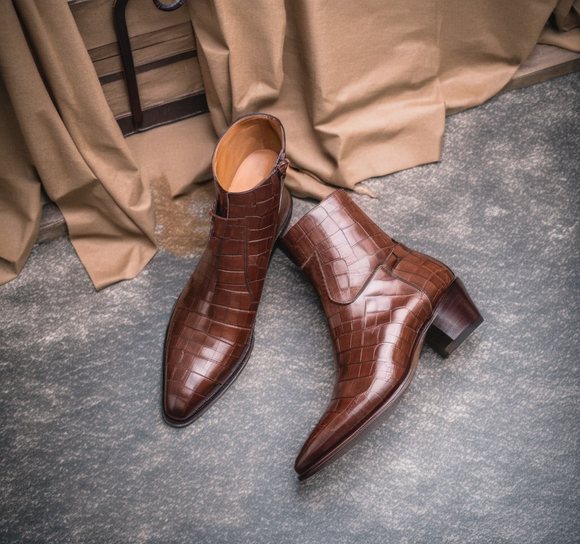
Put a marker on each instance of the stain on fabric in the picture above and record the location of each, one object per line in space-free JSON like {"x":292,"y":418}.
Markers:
{"x":182,"y":223}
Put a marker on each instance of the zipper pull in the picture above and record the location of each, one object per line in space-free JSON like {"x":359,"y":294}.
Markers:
{"x":283,"y":166}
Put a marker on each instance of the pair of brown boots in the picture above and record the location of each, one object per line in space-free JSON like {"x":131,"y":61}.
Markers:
{"x":382,"y":300}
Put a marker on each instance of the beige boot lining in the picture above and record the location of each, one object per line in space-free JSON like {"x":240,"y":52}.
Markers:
{"x":247,"y":154}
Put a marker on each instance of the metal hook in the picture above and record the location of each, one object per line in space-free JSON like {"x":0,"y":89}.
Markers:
{"x":176,"y":4}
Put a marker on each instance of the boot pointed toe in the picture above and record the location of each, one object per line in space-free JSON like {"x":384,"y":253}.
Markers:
{"x":184,"y":394}
{"x":321,"y":442}
{"x":178,"y":411}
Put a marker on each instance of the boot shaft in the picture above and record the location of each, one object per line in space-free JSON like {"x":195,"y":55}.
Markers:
{"x":249,"y":165}
{"x":340,"y":248}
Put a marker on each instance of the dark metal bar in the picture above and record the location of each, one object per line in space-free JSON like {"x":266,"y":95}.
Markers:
{"x":169,"y":7}
{"x":163,"y":114}
{"x":127,"y":58}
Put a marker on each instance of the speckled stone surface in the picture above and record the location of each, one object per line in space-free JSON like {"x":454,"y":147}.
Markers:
{"x":484,"y":447}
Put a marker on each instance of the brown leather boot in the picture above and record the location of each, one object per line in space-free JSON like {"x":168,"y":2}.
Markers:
{"x":211,"y":332}
{"x":382,"y":301}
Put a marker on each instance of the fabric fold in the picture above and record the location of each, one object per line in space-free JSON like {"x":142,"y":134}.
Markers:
{"x":74,"y":146}
{"x":365,"y":87}
{"x":362,"y":89}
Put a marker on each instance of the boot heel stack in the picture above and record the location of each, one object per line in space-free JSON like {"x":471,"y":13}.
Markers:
{"x":456,"y":317}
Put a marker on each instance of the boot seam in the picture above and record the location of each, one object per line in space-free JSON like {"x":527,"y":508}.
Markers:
{"x":421,"y":291}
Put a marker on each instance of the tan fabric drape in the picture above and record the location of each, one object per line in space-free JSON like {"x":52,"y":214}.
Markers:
{"x":56,"y":130}
{"x":564,"y":28}
{"x":361,"y":87}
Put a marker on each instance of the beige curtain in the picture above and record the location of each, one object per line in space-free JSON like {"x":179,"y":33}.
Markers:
{"x":57,"y":131}
{"x":361,"y":87}
{"x":563,"y":29}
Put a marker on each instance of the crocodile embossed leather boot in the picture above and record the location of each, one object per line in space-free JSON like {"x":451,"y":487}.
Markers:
{"x":382,"y":301}
{"x":211,"y":331}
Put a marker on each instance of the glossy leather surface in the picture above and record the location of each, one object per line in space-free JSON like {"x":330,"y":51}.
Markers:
{"x":210,"y":332}
{"x":377,"y":296}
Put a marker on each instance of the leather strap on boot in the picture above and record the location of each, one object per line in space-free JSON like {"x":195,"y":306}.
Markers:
{"x":345,"y":244}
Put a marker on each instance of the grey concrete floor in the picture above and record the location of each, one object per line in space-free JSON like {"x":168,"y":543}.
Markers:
{"x":484,"y":446}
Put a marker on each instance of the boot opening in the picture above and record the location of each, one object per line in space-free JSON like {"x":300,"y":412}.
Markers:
{"x":247,"y":153}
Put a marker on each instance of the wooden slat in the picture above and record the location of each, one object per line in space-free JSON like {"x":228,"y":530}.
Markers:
{"x":52,"y":225}
{"x":159,"y":63}
{"x":545,"y":62}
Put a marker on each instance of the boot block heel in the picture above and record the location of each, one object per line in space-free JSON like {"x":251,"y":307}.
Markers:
{"x":456,"y":317}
